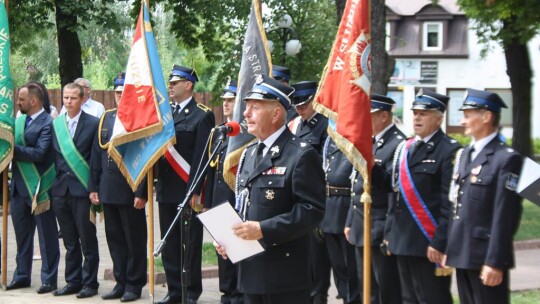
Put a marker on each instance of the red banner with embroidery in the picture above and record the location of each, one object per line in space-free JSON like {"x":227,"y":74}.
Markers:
{"x":420,"y":212}
{"x":344,"y":90}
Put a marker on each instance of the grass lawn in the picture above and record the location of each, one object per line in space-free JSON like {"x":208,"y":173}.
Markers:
{"x":209,"y":257}
{"x":530,"y":225}
{"x":521,"y":297}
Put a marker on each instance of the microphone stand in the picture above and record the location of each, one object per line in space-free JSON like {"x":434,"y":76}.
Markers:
{"x":186,"y":223}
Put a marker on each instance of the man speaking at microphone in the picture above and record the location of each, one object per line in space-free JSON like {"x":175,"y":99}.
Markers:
{"x":192,"y":122}
{"x":281,"y":196}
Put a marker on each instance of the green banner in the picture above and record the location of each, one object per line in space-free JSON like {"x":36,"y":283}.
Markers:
{"x":6,"y":93}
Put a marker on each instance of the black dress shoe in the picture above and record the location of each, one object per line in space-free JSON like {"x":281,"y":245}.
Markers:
{"x":46,"y":288}
{"x":191,"y":301}
{"x":17,"y":285}
{"x":69,"y":289}
{"x":114,"y":294}
{"x":130,"y":297}
{"x":170,"y":300}
{"x":86,"y":292}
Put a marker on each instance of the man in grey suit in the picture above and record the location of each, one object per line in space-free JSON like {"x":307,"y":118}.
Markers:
{"x":33,"y":169}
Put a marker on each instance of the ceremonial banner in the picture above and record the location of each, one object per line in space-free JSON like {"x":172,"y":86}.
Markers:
{"x":344,"y":90}
{"x":6,"y":93}
{"x":255,"y":60}
{"x":143,"y":127}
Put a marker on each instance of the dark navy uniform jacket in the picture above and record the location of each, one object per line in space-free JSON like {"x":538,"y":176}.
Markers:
{"x":66,"y":181}
{"x":217,"y":190}
{"x":338,"y":174}
{"x":488,"y":209}
{"x":192,"y":124}
{"x":383,"y":152}
{"x":431,"y":171}
{"x":106,"y":178}
{"x":314,"y":132}
{"x":286,"y":195}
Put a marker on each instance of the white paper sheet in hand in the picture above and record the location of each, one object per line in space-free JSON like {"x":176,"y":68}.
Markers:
{"x":219,"y":221}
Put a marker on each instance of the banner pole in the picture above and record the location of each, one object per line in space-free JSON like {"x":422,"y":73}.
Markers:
{"x":5,"y":208}
{"x":367,"y":253}
{"x":150,"y":206}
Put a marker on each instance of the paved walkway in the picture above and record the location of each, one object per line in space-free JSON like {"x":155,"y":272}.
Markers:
{"x":525,"y":276}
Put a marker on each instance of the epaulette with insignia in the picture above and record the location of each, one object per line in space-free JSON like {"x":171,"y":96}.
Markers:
{"x":300,"y":143}
{"x":203,"y":107}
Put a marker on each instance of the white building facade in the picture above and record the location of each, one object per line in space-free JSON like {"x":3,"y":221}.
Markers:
{"x":435,"y":47}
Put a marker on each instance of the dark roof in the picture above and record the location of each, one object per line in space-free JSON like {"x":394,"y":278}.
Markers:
{"x":407,"y":36}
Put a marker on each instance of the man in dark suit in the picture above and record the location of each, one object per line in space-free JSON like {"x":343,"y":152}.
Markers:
{"x":386,"y":138}
{"x":311,"y":126}
{"x":282,"y":186}
{"x":487,"y":208}
{"x":217,"y":192}
{"x":418,"y":218}
{"x":33,"y":140}
{"x":125,"y":217}
{"x":192,"y":122}
{"x":73,"y":136}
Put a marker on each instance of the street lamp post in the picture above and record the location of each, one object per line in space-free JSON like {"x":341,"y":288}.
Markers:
{"x":287,"y":35}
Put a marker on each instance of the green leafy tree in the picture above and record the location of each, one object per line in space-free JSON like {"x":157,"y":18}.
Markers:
{"x":382,"y":65}
{"x":511,"y":23}
{"x":31,"y":18}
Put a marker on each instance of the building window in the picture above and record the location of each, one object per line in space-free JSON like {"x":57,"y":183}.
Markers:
{"x":432,"y":36}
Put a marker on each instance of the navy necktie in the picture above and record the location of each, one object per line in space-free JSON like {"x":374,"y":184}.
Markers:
{"x":28,"y":120}
{"x":260,"y":155}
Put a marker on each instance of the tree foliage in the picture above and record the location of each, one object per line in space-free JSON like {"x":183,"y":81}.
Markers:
{"x":503,"y":21}
{"x":217,"y":27}
{"x":512,"y":23}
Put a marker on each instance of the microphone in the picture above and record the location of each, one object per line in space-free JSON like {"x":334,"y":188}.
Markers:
{"x":231,"y":128}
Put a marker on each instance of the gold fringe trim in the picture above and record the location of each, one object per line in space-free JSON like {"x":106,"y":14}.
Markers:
{"x":93,"y":216}
{"x":6,"y":134}
{"x":118,"y":159}
{"x":40,"y":208}
{"x":100,"y":126}
{"x":443,"y":272}
{"x":354,"y":156}
{"x":139,"y":134}
{"x":231,"y":161}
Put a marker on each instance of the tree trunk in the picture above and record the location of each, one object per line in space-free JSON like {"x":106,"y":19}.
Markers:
{"x":382,"y":65}
{"x":340,"y":7}
{"x":518,"y":68}
{"x":69,"y":47}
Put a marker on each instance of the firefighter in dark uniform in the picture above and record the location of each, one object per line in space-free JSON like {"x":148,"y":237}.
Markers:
{"x":311,"y":127}
{"x":418,"y":218}
{"x":338,"y":199}
{"x":125,"y":217}
{"x":283,"y":75}
{"x":217,"y":192}
{"x":280,"y":194}
{"x":487,"y":209}
{"x":192,"y":122}
{"x":384,"y":268}
{"x":308,"y":125}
